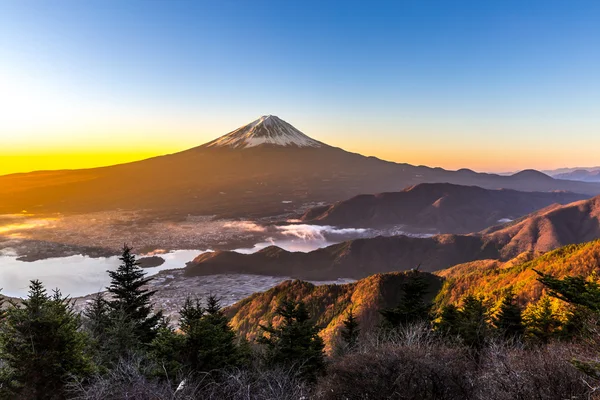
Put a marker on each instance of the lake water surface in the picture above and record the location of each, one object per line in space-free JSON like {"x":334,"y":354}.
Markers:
{"x":81,"y":275}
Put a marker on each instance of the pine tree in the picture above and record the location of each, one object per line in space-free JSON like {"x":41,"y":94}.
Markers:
{"x":130,"y":298}
{"x":206,"y":343}
{"x":583,"y":294}
{"x":412,"y":306}
{"x":448,"y":323}
{"x":541,"y":322}
{"x":295,"y":342}
{"x":42,"y":346}
{"x":97,"y":317}
{"x":168,"y":350}
{"x":473,"y":325}
{"x":574,"y":290}
{"x":210,"y":341}
{"x":509,"y":320}
{"x":350,"y":331}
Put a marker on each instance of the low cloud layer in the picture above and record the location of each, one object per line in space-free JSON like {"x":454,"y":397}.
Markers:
{"x":317,"y":232}
{"x":247,"y":226}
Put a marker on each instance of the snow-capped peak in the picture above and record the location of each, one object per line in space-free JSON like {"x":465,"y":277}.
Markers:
{"x":269,"y":130}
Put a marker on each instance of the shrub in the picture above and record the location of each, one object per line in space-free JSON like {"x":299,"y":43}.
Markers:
{"x":539,"y":373}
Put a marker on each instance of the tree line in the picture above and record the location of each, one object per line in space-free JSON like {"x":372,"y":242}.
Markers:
{"x":46,"y":346}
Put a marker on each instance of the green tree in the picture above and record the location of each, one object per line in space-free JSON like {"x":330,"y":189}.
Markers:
{"x":413,"y":306}
{"x":97,"y":317}
{"x":206,"y":342}
{"x":41,"y":346}
{"x":350,"y":331}
{"x":474,"y":318}
{"x":576,"y":290}
{"x":131,"y":298}
{"x":210,"y":341}
{"x":583,"y":295}
{"x":541,"y":322}
{"x":295,"y":341}
{"x":448,"y":322}
{"x":509,"y":319}
{"x":167,"y":350}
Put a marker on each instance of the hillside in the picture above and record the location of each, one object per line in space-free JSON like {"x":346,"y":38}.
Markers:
{"x":437,"y":207}
{"x":250,"y":171}
{"x":539,"y":232}
{"x":491,"y":278}
{"x":547,"y":229}
{"x":329,"y":304}
{"x":352,"y":259}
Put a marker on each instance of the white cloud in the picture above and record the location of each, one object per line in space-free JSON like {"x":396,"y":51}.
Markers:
{"x":248,"y":226}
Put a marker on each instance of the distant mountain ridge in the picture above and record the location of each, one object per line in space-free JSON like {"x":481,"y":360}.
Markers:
{"x":581,"y":175}
{"x":437,"y":207}
{"x":255,"y":170}
{"x":539,"y":232}
{"x":554,"y":172}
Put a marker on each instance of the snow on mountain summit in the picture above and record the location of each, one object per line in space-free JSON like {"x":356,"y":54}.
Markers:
{"x":269,"y":130}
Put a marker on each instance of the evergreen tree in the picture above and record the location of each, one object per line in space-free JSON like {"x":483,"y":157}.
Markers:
{"x":473,"y":325}
{"x":120,"y":339}
{"x":41,"y":346}
{"x":575,"y":290}
{"x":583,"y":294}
{"x":167,"y":350}
{"x":97,"y":317}
{"x":541,"y":323}
{"x":448,"y":323}
{"x":575,"y":322}
{"x":350,"y":331}
{"x":295,"y":342}
{"x":210,"y":341}
{"x":509,"y":320}
{"x":130,"y":298}
{"x":206,"y":343}
{"x":412,"y":306}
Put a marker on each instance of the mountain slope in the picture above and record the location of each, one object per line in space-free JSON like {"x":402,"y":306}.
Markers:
{"x":250,"y":171}
{"x":491,"y":278}
{"x":327,"y":304}
{"x":438,"y":207}
{"x":539,"y":232}
{"x":353,"y":259}
{"x":547,"y":229}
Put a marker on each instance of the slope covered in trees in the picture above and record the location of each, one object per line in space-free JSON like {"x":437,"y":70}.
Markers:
{"x":329,"y":304}
{"x":491,"y":278}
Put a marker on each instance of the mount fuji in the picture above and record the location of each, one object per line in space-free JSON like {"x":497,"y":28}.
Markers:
{"x":266,"y":167}
{"x":267,"y":130}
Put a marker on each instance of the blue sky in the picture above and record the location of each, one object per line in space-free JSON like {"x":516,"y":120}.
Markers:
{"x":489,"y":85}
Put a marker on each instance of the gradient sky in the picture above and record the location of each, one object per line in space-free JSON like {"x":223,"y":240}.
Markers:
{"x":489,"y":85}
